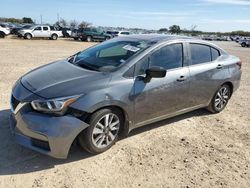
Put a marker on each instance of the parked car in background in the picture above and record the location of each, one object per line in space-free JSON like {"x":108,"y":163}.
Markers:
{"x":15,"y":30}
{"x":66,"y":32}
{"x":245,"y":42}
{"x":90,"y":34}
{"x":112,"y":33}
{"x":109,"y":89}
{"x":4,"y":30}
{"x":118,"y":33}
{"x":123,"y":33}
{"x":40,"y":31}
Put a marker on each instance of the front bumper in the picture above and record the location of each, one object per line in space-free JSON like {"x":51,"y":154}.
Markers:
{"x":50,"y":135}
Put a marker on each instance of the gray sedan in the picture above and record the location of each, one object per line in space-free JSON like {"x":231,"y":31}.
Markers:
{"x":105,"y":91}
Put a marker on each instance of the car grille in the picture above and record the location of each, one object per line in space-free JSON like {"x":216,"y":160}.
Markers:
{"x":14,"y":102}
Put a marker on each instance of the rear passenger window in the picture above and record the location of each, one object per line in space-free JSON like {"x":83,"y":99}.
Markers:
{"x":200,"y":53}
{"x":45,"y":28}
{"x":215,"y":54}
{"x":52,"y":28}
{"x":168,"y":57}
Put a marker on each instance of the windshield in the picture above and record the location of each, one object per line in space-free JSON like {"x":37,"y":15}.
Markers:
{"x":28,"y":27}
{"x":108,"y":56}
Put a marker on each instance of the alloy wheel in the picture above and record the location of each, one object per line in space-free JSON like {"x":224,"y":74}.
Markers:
{"x":221,"y":98}
{"x":105,"y":130}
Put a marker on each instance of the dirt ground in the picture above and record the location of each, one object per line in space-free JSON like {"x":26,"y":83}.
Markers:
{"x":192,"y":150}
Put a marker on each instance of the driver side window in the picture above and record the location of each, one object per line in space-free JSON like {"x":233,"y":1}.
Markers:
{"x":38,"y":29}
{"x":168,"y":57}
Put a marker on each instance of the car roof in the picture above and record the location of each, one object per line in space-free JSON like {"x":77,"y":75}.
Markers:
{"x":157,"y":37}
{"x":161,"y":38}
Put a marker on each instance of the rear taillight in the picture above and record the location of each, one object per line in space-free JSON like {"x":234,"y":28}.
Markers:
{"x":239,"y":64}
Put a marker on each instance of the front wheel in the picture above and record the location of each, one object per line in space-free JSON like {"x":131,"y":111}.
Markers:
{"x":2,"y":34}
{"x":103,"y":131}
{"x":220,"y":99}
{"x":27,"y":36}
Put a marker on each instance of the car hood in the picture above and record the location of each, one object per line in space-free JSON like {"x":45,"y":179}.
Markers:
{"x":62,"y":79}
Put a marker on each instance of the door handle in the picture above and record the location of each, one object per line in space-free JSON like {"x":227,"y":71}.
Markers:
{"x":220,"y":66}
{"x":181,"y":79}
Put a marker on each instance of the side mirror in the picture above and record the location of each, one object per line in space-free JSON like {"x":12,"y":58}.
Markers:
{"x":155,"y":72}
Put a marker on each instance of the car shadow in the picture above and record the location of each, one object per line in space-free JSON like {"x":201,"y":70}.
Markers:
{"x":15,"y":159}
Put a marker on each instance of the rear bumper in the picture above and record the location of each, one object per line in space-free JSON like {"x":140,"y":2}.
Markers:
{"x":236,"y":80}
{"x":46,"y":134}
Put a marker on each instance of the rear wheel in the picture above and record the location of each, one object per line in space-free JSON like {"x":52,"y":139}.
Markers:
{"x":54,"y":37}
{"x":220,"y":99}
{"x":107,"y":38}
{"x":243,"y":44}
{"x":2,"y":34}
{"x":75,"y":38}
{"x":103,"y":131}
{"x":89,"y":39}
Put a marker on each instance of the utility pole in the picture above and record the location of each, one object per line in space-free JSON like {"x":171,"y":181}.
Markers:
{"x":41,"y":19}
{"x":58,"y":17}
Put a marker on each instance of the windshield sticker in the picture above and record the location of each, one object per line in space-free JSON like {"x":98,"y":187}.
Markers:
{"x":131,"y":48}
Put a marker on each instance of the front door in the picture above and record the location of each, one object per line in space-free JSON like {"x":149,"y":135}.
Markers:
{"x":37,"y":32}
{"x":161,"y":96}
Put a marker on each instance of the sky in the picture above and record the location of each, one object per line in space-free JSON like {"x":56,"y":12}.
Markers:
{"x":207,"y":15}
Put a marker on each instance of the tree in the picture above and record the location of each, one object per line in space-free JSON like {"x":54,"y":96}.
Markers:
{"x":84,"y":24}
{"x":73,"y":24}
{"x":163,"y":30}
{"x":63,"y":22}
{"x":27,"y":20}
{"x":175,"y":29}
{"x":193,"y":27}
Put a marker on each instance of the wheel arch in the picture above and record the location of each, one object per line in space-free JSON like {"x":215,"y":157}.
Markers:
{"x":231,"y":86}
{"x":29,"y":34}
{"x":54,"y":34}
{"x":125,"y":126}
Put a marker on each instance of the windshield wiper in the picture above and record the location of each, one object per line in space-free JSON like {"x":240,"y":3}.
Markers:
{"x":87,"y":66}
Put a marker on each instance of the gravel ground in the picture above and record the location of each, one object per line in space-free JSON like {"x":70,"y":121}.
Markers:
{"x":196,"y":149}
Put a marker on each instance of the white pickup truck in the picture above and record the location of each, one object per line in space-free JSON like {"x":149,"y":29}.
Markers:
{"x":4,"y":30}
{"x":40,"y":31}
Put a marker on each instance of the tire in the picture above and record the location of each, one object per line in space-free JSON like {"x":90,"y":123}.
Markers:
{"x":75,"y":38}
{"x":2,"y":34}
{"x":54,"y":36}
{"x":243,"y":44}
{"x":107,"y":38}
{"x":99,"y":136}
{"x":27,"y":36}
{"x":89,"y":39}
{"x":220,"y":99}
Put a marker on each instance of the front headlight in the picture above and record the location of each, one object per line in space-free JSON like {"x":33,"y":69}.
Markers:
{"x":58,"y":105}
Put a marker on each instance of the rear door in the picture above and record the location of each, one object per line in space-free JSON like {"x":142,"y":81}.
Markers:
{"x":46,"y":31}
{"x":207,"y":73}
